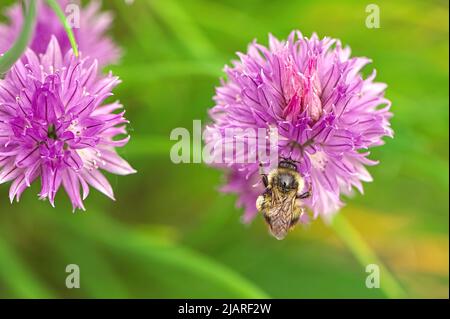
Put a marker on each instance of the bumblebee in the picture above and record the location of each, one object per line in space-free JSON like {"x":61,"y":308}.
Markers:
{"x":280,"y":204}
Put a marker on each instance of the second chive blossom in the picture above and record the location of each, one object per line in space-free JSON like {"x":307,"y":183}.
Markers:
{"x":55,"y":126}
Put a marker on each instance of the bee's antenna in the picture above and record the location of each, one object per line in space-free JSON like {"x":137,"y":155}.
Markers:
{"x":292,"y":145}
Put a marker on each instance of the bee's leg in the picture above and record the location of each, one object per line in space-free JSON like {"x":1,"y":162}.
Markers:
{"x":294,"y":221}
{"x":260,"y":203}
{"x":267,"y":219}
{"x":306,"y":194}
{"x":264,"y":177}
{"x":295,"y":216}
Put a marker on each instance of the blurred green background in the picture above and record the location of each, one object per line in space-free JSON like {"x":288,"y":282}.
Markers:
{"x":171,"y":234}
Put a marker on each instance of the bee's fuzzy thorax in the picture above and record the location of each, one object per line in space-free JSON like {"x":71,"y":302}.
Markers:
{"x":273,"y":175}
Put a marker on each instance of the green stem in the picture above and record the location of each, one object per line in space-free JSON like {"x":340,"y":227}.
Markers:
{"x":60,"y":14}
{"x":365,"y":255}
{"x":16,"y":51}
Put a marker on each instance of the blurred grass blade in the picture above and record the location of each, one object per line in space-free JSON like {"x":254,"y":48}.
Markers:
{"x":125,"y":241}
{"x":157,"y":71}
{"x":16,"y":51}
{"x":182,"y":26}
{"x":219,"y":17}
{"x":149,"y":145}
{"x":20,"y":280}
{"x":91,"y":259}
{"x":365,"y":255}
{"x":60,"y":14}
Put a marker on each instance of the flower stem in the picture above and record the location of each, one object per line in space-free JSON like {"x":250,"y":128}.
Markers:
{"x":16,"y":51}
{"x":60,"y":14}
{"x":365,"y":255}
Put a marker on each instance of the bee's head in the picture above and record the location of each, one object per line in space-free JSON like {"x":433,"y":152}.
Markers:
{"x":286,"y":182}
{"x":287,"y":163}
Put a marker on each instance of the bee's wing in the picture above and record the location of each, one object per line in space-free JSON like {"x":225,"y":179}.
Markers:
{"x":282,"y":205}
{"x":281,"y":214}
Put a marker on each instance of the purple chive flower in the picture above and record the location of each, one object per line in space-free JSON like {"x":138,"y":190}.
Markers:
{"x":53,"y":126}
{"x":90,"y":36}
{"x":326,"y":114}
